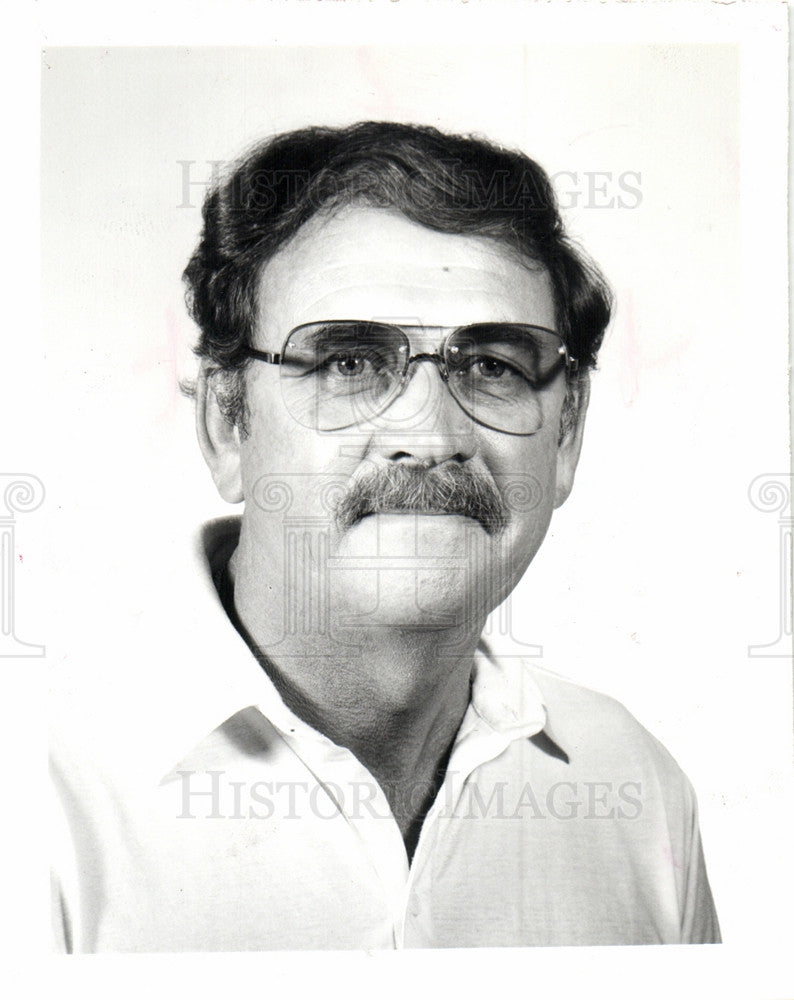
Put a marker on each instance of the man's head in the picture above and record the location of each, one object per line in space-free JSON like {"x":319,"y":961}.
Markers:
{"x":447,"y":183}
{"x":426,"y":233}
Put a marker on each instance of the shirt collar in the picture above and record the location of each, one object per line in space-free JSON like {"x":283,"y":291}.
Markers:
{"x":186,"y":670}
{"x":193,"y":672}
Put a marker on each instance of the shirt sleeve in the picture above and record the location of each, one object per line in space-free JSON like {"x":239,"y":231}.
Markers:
{"x":699,"y":923}
{"x":60,"y":924}
{"x":62,"y":874}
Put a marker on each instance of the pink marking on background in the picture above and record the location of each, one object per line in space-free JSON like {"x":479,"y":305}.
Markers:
{"x":379,"y":97}
{"x":172,"y":326}
{"x":172,"y":340}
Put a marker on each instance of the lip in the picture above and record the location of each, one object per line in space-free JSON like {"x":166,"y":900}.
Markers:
{"x":430,"y":512}
{"x":409,"y":512}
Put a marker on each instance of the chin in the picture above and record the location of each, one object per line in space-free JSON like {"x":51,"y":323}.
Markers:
{"x":401,"y":599}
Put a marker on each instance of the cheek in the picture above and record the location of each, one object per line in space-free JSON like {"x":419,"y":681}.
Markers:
{"x":527,"y":481}
{"x":290,"y":470}
{"x":525,"y":470}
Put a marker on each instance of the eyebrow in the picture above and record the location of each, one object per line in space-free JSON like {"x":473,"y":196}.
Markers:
{"x":326,"y":331}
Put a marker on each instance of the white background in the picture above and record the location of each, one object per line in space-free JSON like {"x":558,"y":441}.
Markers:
{"x":658,"y":572}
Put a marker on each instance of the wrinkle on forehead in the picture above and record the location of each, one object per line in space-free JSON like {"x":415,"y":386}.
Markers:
{"x":364,"y":263}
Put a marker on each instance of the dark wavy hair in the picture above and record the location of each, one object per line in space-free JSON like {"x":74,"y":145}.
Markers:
{"x":449,"y":183}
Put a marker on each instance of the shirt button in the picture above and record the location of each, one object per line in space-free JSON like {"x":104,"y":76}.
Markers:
{"x":415,"y":907}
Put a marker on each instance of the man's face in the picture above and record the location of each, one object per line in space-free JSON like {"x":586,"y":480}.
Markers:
{"x":412,"y":568}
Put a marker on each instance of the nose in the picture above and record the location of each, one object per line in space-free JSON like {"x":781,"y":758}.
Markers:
{"x":424,"y":423}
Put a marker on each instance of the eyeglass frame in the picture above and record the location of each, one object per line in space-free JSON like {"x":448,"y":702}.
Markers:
{"x":571,"y":364}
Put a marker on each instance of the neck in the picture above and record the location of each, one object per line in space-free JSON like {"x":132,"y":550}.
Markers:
{"x":393,"y":695}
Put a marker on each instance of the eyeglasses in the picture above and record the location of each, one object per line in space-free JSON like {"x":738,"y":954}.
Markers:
{"x":340,"y":373}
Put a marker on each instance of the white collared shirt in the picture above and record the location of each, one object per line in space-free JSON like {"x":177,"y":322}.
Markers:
{"x":196,"y":812}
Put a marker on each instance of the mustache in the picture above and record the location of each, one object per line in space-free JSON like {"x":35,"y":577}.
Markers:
{"x":445,"y":489}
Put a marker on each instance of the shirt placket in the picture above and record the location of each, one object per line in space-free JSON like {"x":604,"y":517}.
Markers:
{"x":477,"y":743}
{"x":364,"y":806}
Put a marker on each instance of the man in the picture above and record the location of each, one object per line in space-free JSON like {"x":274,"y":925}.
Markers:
{"x":309,"y":746}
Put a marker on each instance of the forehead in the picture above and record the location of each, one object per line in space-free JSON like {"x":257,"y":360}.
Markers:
{"x":370,"y":263}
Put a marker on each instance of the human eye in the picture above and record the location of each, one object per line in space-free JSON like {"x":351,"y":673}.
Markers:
{"x":347,"y":364}
{"x":353,"y":371}
{"x":343,"y":358}
{"x":340,"y":349}
{"x":333,"y":350}
{"x":487,"y":368}
{"x":502,"y":352}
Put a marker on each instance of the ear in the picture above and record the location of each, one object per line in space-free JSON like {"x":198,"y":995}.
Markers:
{"x":219,"y":440}
{"x":571,"y":437}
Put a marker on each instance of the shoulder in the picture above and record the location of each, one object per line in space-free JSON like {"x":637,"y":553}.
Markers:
{"x":599,"y":734}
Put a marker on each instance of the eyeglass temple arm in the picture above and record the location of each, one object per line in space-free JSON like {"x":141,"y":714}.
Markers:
{"x":268,"y":356}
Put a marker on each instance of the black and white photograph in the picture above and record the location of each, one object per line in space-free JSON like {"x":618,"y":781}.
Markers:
{"x":399,"y":556}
